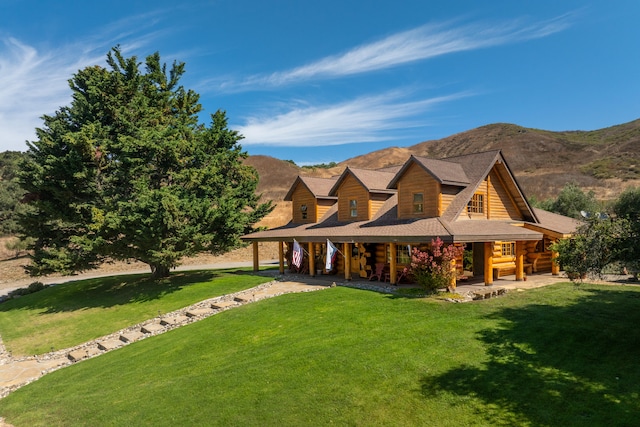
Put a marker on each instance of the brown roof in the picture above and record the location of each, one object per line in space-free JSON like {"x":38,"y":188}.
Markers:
{"x":373,"y":180}
{"x":444,"y":171}
{"x":319,"y":187}
{"x":387,"y":227}
{"x":560,"y":225}
{"x":477,"y":166}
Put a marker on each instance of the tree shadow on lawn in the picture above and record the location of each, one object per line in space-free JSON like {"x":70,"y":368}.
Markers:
{"x":575,"y":364}
{"x":106,"y":292}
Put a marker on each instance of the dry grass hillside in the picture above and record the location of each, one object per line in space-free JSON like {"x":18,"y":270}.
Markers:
{"x":605,"y":161}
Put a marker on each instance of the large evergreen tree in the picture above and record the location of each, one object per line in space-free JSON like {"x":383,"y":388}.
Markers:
{"x":127,"y":172}
{"x":10,"y":192}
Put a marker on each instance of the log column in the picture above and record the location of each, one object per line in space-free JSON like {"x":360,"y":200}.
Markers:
{"x":454,"y":273}
{"x":488,"y":263}
{"x":256,"y":259}
{"x":555,"y":267}
{"x":520,"y":251}
{"x":281,"y":256}
{"x":346,"y":248}
{"x":393,"y":274}
{"x":312,"y":260}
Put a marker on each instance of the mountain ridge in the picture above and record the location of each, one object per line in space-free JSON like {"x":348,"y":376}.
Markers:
{"x":604,"y":160}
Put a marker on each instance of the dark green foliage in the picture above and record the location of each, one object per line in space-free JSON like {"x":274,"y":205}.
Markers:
{"x":595,"y":245}
{"x":321,"y":166}
{"x":571,"y":201}
{"x":627,"y":207}
{"x":127,"y":172}
{"x":31,"y":289}
{"x":604,"y":241}
{"x":623,"y":167}
{"x":10,"y":192}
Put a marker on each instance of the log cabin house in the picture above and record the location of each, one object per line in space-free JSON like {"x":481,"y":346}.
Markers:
{"x":376,"y":216}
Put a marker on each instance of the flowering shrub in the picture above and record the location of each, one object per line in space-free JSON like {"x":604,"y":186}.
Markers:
{"x":432,"y":268}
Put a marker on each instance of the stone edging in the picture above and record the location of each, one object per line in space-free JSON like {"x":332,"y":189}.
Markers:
{"x":63,"y":355}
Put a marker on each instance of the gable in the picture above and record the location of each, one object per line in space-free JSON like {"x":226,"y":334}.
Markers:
{"x":502,"y":204}
{"x":303,"y":205}
{"x":492,"y":200}
{"x":415,"y":180}
{"x":350,"y":189}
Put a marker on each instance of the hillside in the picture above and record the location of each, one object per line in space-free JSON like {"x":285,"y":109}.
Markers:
{"x":605,"y":160}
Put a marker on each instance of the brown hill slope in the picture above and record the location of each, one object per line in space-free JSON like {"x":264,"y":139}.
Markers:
{"x":604,"y":160}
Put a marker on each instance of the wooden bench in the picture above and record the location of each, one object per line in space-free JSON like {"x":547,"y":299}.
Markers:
{"x":528,"y":268}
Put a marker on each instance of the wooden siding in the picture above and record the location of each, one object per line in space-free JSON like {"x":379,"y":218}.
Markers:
{"x":377,"y":200}
{"x":498,"y":203}
{"x":323,"y":206}
{"x":351,"y":189}
{"x":448,"y":194}
{"x":302,"y":196}
{"x":417,"y":180}
{"x":501,"y":204}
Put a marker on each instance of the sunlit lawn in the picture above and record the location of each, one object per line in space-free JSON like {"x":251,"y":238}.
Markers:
{"x":545,"y":357}
{"x":72,"y":313}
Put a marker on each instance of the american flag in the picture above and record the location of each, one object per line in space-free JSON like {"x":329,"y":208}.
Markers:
{"x":296,"y":257}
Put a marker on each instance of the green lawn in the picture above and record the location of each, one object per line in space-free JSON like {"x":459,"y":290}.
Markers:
{"x":72,"y":313}
{"x":558,"y":355}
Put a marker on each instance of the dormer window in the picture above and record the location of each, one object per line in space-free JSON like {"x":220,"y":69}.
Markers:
{"x":353,"y":208}
{"x":476,"y":204}
{"x":303,"y":210}
{"x":418,"y":203}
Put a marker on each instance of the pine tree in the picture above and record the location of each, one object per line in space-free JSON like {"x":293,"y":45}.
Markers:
{"x":126,"y":172}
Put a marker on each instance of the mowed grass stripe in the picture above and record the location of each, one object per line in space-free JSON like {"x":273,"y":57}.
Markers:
{"x":552,"y":356}
{"x":75,"y":312}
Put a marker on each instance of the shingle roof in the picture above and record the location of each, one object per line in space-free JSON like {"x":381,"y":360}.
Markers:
{"x":559,"y":224}
{"x":387,"y":227}
{"x":373,"y":180}
{"x":319,"y":187}
{"x":443,"y":171}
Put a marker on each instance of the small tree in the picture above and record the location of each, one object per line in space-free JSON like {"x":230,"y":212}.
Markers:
{"x":627,"y":207}
{"x":572,"y":200}
{"x":432,"y":268}
{"x":595,"y":245}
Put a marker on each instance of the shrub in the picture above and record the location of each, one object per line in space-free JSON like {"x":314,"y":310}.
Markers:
{"x":432,"y":268}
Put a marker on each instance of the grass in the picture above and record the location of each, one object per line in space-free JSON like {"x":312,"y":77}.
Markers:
{"x":559,"y":355}
{"x":65,"y":315}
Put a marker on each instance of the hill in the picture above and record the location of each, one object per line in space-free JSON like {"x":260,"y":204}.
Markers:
{"x":605,"y":160}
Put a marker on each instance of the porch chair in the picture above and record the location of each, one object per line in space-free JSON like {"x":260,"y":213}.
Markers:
{"x":378,"y":273}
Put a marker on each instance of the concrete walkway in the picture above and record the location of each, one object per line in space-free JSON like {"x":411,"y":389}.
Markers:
{"x":17,"y":372}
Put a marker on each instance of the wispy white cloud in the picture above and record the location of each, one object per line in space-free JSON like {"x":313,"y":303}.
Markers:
{"x":417,"y":44}
{"x":366,"y":119}
{"x":34,"y":81}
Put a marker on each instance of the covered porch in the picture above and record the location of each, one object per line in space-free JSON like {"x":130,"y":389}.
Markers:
{"x":363,"y":260}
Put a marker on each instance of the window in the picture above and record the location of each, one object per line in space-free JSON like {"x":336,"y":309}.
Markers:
{"x":403,"y":254}
{"x":476,"y":204}
{"x":353,"y":208}
{"x":508,"y":248}
{"x":418,"y":202}
{"x":303,"y":209}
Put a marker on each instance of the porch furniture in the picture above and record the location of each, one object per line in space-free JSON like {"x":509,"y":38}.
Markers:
{"x":378,"y":272}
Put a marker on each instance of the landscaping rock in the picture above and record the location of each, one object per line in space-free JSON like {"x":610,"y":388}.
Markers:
{"x":151,"y":328}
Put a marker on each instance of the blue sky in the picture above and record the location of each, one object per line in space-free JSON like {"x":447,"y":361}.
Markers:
{"x":325,"y":81}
